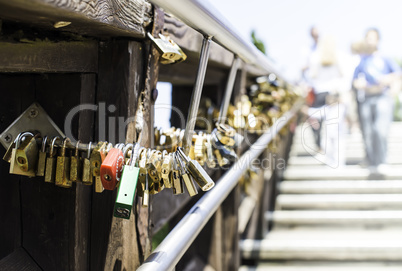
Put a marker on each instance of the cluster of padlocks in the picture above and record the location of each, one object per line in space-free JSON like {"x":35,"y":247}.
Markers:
{"x":215,"y":149}
{"x":128,"y":167}
{"x":253,"y":113}
{"x":134,"y":169}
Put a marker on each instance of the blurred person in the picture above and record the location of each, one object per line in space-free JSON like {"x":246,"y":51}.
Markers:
{"x":314,"y":33}
{"x":372,"y":80}
{"x":311,"y":97}
{"x":326,"y":77}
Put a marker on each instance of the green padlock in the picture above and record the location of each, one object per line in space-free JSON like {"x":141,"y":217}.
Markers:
{"x":128,"y":184}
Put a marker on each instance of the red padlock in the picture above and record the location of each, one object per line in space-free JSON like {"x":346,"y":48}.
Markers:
{"x":112,"y":167}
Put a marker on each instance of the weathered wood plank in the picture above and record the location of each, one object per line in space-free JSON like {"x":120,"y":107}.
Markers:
{"x":12,"y":89}
{"x":64,"y":56}
{"x":48,"y":211}
{"x":115,"y":242}
{"x":83,"y":192}
{"x":93,"y":17}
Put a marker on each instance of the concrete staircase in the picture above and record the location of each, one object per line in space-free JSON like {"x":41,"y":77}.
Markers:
{"x":333,"y":218}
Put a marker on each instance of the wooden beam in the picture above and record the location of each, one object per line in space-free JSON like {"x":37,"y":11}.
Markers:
{"x":83,"y":193}
{"x":87,"y":17}
{"x":114,"y":242}
{"x":49,"y":57}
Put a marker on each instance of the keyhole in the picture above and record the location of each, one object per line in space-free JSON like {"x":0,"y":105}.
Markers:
{"x":21,"y":160}
{"x":107,"y":177}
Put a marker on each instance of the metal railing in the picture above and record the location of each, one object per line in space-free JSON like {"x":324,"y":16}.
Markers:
{"x":172,"y":248}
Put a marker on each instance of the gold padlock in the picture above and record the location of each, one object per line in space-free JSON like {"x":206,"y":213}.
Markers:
{"x":96,"y":162}
{"x":14,"y":164}
{"x":76,"y":165}
{"x":42,"y":159}
{"x":199,"y":149}
{"x":63,"y":168}
{"x":86,"y":167}
{"x":170,"y":51}
{"x":27,"y":154}
{"x":51,"y":162}
{"x":166,"y":169}
{"x":175,"y":178}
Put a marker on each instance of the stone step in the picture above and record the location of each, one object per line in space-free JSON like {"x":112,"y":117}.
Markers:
{"x":340,"y":250}
{"x":341,"y":187}
{"x":335,"y":218}
{"x":325,"y":172}
{"x":339,"y":201}
{"x":350,"y":160}
{"x":355,"y":139}
{"x":323,"y":266}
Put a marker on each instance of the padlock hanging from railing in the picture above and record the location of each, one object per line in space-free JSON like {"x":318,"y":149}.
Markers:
{"x":229,"y":89}
{"x":196,"y":95}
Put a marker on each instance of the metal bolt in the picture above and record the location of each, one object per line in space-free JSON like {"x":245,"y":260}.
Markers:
{"x":33,"y":113}
{"x":8,"y":137}
{"x":154,"y":94}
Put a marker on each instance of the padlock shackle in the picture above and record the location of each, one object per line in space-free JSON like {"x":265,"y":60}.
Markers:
{"x":135,"y":154}
{"x":52,"y":145}
{"x":20,"y":136}
{"x":182,"y":154}
{"x":76,"y":148}
{"x":63,"y":149}
{"x":43,"y":147}
{"x":180,"y":165}
{"x":229,"y":89}
{"x":126,"y":148}
{"x":89,"y":150}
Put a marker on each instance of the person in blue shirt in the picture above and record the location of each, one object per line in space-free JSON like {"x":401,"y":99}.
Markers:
{"x":372,"y":79}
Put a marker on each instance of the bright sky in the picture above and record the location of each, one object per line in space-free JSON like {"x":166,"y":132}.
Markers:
{"x":283,"y":25}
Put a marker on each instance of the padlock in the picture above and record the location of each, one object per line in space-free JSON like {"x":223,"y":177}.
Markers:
{"x":225,"y":151}
{"x":170,"y":51}
{"x":63,"y":167}
{"x":7,"y":155}
{"x":112,"y":167}
{"x":199,"y":149}
{"x":166,"y":169}
{"x":187,"y":179}
{"x":199,"y":174}
{"x":210,"y":154}
{"x":42,"y":159}
{"x":86,"y":167}
{"x":128,"y":152}
{"x":142,"y":160}
{"x":128,"y":183}
{"x":76,"y":165}
{"x":26,"y":154}
{"x":154,"y":165}
{"x":225,"y":129}
{"x":96,"y":162}
{"x":51,"y":162}
{"x":15,"y":167}
{"x":175,"y":177}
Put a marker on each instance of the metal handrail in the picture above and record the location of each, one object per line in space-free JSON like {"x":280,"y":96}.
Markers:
{"x":203,"y":17}
{"x":169,"y":252}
